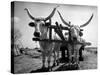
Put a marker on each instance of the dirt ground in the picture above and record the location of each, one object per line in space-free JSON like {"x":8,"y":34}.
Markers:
{"x":27,"y":63}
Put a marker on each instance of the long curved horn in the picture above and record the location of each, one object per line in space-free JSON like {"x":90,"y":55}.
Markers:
{"x":63,"y":19}
{"x":51,"y":15}
{"x":87,"y":22}
{"x":29,"y":14}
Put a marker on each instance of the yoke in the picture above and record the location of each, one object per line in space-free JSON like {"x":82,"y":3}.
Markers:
{"x":58,"y":29}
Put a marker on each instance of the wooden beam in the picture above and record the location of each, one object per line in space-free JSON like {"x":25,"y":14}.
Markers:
{"x":59,"y":31}
{"x":55,"y":27}
{"x":50,"y":31}
{"x":59,"y":41}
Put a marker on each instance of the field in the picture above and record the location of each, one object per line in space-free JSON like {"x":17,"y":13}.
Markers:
{"x":32,"y":61}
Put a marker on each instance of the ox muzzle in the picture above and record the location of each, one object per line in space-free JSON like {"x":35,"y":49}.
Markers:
{"x":36,"y":34}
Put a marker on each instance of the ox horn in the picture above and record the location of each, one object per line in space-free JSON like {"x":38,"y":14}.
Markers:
{"x":52,"y":13}
{"x":63,"y":19}
{"x":29,"y":14}
{"x":87,"y":21}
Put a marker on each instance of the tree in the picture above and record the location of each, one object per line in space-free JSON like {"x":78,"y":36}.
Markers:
{"x":15,"y":42}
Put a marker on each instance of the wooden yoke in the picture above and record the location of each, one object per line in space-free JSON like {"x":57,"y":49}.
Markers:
{"x":50,"y":30}
{"x":58,"y":30}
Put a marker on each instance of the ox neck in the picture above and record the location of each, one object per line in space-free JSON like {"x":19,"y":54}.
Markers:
{"x":44,"y":35}
{"x":70,"y":39}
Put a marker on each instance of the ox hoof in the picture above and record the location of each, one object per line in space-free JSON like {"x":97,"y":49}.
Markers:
{"x":45,"y":69}
{"x":54,"y":64}
{"x":57,"y":62}
{"x":50,"y":70}
{"x":76,"y":66}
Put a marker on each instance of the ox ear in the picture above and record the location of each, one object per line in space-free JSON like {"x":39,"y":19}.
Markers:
{"x":48,"y":23}
{"x":81,"y":29}
{"x":31,"y":24}
{"x":81,"y":34}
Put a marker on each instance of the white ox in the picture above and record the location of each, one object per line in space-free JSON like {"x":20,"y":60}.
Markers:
{"x":75,"y":33}
{"x":42,"y":32}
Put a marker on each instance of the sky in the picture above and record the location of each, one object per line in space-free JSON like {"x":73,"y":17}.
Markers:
{"x":77,"y":14}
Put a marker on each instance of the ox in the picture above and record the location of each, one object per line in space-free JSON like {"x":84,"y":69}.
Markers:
{"x":75,"y":33}
{"x":42,"y":32}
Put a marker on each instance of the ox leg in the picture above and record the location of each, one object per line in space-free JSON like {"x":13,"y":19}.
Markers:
{"x":54,"y":64}
{"x":67,"y":55}
{"x":57,"y":58}
{"x":75,"y":56}
{"x":63,"y":53}
{"x":70,"y":56}
{"x":43,"y":61}
{"x":76,"y":59}
{"x":69,"y":63}
{"x":49,"y":59}
{"x":80,"y":54}
{"x":80,"y":57}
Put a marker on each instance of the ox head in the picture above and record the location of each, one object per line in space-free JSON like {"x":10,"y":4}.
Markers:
{"x":40,"y":24}
{"x":75,"y":31}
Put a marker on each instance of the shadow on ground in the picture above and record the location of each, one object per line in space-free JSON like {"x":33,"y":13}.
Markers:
{"x":64,"y":67}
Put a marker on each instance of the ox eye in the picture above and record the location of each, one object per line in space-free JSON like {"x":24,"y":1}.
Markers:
{"x":32,"y":24}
